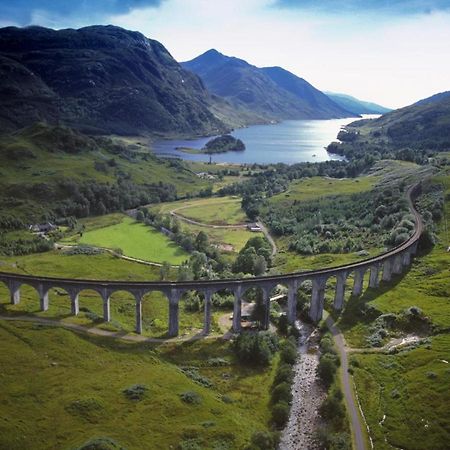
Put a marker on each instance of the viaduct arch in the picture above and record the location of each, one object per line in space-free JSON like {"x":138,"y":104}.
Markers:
{"x":380,"y":268}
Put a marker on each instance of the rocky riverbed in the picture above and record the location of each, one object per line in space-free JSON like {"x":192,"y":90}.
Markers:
{"x":307,"y":395}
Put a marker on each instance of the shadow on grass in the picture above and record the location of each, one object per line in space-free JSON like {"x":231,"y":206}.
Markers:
{"x":357,"y":309}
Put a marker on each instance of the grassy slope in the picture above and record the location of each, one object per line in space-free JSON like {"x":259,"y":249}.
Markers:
{"x":57,"y":370}
{"x":315,"y":187}
{"x":216,"y":211}
{"x":411,"y":388}
{"x":136,"y":240}
{"x":50,"y":166}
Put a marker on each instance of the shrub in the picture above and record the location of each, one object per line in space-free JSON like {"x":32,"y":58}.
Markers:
{"x":256,"y":348}
{"x":89,"y":409}
{"x":101,"y":444}
{"x":284,"y":374}
{"x":280,"y":414}
{"x":327,"y":369}
{"x":281,"y":393}
{"x":264,"y":440}
{"x":288,"y":352}
{"x":190,"y":397}
{"x":194,"y":375}
{"x":135,"y":392}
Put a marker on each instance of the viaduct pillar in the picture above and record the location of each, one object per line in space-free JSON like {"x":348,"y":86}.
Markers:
{"x":237,"y":307}
{"x":292,"y":303}
{"x":339,"y":294}
{"x":74,"y":303}
{"x":387,"y":268}
{"x":43,"y":297}
{"x":174,"y":298}
{"x":317,"y":298}
{"x":14,"y":290}
{"x":207,"y":319}
{"x":138,"y":298}
{"x":106,"y":307}
{"x":358,"y":282}
{"x":373,"y":279}
{"x":266,"y":304}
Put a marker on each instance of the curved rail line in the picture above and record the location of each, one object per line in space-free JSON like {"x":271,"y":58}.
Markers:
{"x":391,"y":261}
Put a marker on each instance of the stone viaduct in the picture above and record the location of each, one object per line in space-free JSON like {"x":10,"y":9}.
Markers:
{"x":380,"y":268}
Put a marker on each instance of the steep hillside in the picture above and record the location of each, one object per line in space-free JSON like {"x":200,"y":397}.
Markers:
{"x":54,"y":171}
{"x":99,"y":79}
{"x":411,"y":133}
{"x":357,"y":106}
{"x":272,"y":93}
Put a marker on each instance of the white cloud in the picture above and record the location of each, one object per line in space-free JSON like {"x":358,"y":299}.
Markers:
{"x":392,"y":60}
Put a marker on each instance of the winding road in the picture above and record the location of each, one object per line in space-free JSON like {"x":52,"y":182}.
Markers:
{"x":352,"y":408}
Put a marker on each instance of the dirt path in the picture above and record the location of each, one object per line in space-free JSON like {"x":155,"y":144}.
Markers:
{"x":202,"y":224}
{"x":356,"y":423}
{"x":111,"y":334}
{"x":268,"y":237}
{"x":307,"y":394}
{"x":112,"y":252}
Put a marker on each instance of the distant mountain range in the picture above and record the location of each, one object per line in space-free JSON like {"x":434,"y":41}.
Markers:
{"x":108,"y":80}
{"x":272,"y":93}
{"x":99,"y":79}
{"x":355,"y":105}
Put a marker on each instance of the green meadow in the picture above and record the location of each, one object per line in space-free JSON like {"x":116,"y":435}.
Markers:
{"x":61,"y":389}
{"x":133,"y":238}
{"x":311,"y":188}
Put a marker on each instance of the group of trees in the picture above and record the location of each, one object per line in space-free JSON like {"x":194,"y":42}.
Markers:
{"x":343,"y":224}
{"x":254,"y":258}
{"x":332,"y":433}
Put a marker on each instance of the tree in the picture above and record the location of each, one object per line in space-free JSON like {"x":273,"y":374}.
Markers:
{"x":164,"y":270}
{"x":197,"y":263}
{"x":260,"y":265}
{"x":202,"y":242}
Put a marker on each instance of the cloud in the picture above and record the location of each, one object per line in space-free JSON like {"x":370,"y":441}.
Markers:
{"x":394,"y":62}
{"x":371,"y":53}
{"x":26,"y":12}
{"x":386,"y":7}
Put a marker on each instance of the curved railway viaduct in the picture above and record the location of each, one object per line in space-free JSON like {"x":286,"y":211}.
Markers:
{"x":380,"y":268}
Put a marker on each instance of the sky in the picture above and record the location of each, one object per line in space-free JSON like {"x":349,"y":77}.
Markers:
{"x":390,"y":52}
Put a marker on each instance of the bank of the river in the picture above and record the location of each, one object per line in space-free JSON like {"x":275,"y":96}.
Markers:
{"x":307,"y":394}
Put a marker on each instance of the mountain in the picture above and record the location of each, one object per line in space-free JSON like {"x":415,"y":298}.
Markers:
{"x":411,"y":133}
{"x":272,"y":92}
{"x":99,"y":79}
{"x":355,"y":105}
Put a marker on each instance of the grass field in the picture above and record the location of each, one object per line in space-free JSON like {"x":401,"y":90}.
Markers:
{"x":60,"y":389}
{"x":311,"y":188}
{"x":221,"y":210}
{"x":215,"y":211}
{"x":212,"y":210}
{"x":135,"y":239}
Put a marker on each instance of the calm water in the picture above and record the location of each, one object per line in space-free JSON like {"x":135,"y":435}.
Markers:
{"x":290,"y":142}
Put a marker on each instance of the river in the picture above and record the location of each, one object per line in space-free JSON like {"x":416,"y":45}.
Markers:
{"x":290,"y":142}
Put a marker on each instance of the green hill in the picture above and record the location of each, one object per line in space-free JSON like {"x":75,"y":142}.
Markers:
{"x":54,"y":171}
{"x":411,"y":133}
